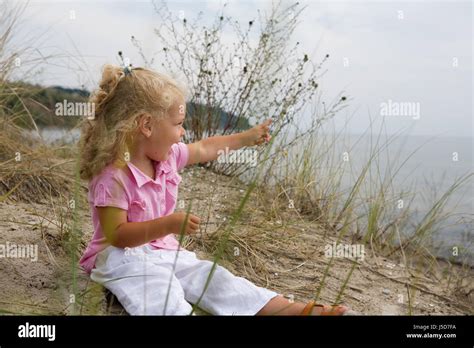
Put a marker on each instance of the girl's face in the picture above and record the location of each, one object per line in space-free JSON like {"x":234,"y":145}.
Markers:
{"x":165,"y":132}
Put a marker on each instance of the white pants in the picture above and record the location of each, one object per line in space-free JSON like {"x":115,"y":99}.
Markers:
{"x":146,"y":281}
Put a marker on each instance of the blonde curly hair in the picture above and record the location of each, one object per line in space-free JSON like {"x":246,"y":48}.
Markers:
{"x":120,"y":100}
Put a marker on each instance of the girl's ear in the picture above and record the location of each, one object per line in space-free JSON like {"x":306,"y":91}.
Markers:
{"x":145,"y":125}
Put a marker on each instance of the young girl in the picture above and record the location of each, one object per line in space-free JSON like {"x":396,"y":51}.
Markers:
{"x":131,"y":154}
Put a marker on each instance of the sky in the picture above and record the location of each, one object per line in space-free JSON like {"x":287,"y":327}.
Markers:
{"x":412,"y":59}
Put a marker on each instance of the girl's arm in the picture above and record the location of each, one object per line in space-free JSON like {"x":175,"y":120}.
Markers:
{"x":121,"y":233}
{"x":208,"y":149}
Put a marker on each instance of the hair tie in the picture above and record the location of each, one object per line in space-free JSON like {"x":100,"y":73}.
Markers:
{"x":127,"y":69}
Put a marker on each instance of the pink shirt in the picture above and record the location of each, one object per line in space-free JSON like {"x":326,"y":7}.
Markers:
{"x":142,"y":197}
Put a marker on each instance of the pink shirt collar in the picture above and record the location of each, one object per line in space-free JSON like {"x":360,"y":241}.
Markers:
{"x":141,"y":178}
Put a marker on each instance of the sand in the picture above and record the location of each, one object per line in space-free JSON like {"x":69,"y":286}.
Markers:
{"x":273,"y":246}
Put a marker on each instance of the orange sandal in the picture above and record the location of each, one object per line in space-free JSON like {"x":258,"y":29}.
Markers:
{"x":325,"y":309}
